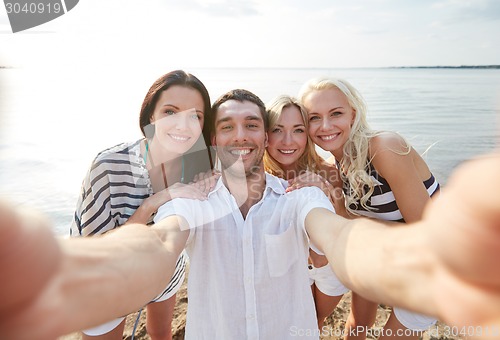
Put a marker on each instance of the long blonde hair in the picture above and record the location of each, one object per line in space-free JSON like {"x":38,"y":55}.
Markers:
{"x":309,"y":160}
{"x":354,"y":165}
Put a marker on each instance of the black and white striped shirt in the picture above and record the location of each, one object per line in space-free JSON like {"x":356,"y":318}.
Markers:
{"x":383,"y":201}
{"x":115,"y":186}
{"x":118,"y":182}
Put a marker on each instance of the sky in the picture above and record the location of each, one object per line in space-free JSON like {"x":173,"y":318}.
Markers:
{"x":260,"y":33}
{"x":80,"y":79}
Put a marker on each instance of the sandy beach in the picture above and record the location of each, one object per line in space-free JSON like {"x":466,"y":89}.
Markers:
{"x":334,"y":324}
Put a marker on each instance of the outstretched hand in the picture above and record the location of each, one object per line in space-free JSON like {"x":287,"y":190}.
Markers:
{"x":29,"y":259}
{"x":464,"y":230}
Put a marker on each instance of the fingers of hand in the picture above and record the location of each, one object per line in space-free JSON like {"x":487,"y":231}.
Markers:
{"x":293,"y":187}
{"x":193,"y":191}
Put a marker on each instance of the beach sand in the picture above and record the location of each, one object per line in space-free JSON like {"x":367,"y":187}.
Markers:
{"x":333,"y":325}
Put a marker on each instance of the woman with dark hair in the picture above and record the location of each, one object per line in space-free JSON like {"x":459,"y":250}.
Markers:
{"x":129,"y":182}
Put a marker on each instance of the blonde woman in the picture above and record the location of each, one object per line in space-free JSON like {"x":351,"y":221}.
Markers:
{"x":383,"y":178}
{"x":291,"y":154}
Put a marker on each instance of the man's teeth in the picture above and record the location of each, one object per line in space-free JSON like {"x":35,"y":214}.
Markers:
{"x":287,"y":151}
{"x":240,"y":152}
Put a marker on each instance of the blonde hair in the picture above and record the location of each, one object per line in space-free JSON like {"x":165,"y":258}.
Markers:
{"x":309,"y":160}
{"x":354,"y":165}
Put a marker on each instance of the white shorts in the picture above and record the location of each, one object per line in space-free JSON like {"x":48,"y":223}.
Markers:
{"x":172,"y":288}
{"x":326,"y":280}
{"x":413,"y":321}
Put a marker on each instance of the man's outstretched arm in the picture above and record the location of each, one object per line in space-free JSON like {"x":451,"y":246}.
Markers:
{"x":445,"y":265}
{"x":51,"y":287}
{"x":387,"y":264}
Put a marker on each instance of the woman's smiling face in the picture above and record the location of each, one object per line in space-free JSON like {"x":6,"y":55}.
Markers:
{"x":178,"y":118}
{"x":288,"y":137}
{"x":330,"y":119}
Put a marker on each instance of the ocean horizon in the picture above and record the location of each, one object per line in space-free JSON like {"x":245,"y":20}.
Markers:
{"x":54,"y":122}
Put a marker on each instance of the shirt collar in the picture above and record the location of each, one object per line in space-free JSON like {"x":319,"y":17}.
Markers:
{"x":276,"y":184}
{"x":217,"y":186}
{"x":273,"y":183}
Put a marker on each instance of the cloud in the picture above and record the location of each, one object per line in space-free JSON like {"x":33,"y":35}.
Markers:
{"x":4,"y":19}
{"x":216,"y":8}
{"x":467,"y":10}
{"x":228,"y":8}
{"x":490,"y":11}
{"x":364,"y":30}
{"x":291,"y":33}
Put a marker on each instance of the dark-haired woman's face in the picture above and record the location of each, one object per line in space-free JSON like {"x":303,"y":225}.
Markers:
{"x":178,"y":118}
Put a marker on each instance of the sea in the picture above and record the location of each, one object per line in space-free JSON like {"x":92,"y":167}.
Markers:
{"x":53,"y":122}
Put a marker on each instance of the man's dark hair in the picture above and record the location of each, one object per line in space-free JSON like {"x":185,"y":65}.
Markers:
{"x":239,"y":95}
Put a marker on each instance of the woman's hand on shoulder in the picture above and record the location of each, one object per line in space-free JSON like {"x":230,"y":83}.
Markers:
{"x":150,"y":205}
{"x":181,"y":190}
{"x":334,"y":193}
{"x":205,"y":181}
{"x":309,"y":179}
{"x":331,"y":173}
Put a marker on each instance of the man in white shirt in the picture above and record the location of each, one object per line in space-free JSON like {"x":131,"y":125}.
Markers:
{"x":247,"y":242}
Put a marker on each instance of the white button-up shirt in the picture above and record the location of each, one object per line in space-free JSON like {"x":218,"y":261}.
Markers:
{"x":248,"y":278}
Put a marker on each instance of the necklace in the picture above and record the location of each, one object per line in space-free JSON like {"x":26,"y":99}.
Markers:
{"x":145,"y":158}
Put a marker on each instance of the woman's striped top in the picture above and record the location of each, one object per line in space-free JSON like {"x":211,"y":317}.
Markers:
{"x":115,"y":186}
{"x":118,"y":182}
{"x":383,"y":201}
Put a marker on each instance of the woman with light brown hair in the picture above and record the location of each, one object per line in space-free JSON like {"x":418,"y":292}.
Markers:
{"x":291,"y":155}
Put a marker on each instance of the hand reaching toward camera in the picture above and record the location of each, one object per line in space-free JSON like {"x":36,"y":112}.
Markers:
{"x":464,"y":232}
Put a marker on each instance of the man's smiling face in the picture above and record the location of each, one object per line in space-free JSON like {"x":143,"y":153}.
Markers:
{"x":240,"y":136}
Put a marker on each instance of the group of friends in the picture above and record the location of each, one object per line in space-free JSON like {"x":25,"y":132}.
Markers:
{"x":274,"y":234}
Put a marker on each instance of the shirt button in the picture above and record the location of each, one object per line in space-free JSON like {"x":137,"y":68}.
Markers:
{"x":251,"y":316}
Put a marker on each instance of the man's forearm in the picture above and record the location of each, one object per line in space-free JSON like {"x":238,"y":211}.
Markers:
{"x":384,"y":264}
{"x":95,"y":280}
{"x":115,"y":275}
